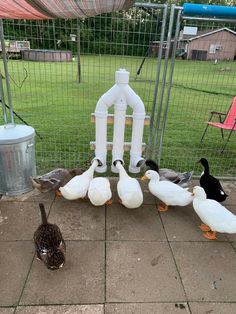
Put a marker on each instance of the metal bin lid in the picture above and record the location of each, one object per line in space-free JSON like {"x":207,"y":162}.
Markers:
{"x":17,"y":133}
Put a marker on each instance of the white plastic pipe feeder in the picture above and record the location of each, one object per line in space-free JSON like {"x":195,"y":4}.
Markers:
{"x":121,"y":95}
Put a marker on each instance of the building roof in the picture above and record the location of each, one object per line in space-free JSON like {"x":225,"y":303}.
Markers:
{"x":205,"y":33}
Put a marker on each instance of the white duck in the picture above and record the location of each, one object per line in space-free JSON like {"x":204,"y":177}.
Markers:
{"x":78,"y":186}
{"x":215,"y":217}
{"x":99,"y":192}
{"x":169,"y":193}
{"x":129,"y":190}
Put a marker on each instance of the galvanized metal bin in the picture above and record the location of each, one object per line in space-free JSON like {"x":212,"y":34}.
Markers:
{"x":17,"y":159}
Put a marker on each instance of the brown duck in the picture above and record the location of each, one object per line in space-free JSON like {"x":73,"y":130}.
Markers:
{"x":54,"y":179}
{"x":49,"y":243}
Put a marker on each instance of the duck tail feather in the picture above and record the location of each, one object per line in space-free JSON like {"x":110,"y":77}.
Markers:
{"x":186,"y":177}
{"x":43,"y":214}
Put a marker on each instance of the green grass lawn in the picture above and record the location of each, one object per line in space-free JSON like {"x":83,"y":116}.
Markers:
{"x":59,"y":108}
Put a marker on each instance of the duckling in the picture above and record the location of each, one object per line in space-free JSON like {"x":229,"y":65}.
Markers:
{"x":210,"y":184}
{"x":99,"y":192}
{"x":168,"y":192}
{"x":78,"y":186}
{"x":54,"y":179}
{"x":129,"y":190}
{"x":215,"y":217}
{"x":181,"y":178}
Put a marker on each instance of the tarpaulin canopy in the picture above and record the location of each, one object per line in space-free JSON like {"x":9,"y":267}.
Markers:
{"x":47,"y":9}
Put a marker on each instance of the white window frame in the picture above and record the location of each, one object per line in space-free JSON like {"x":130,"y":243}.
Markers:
{"x":215,"y":47}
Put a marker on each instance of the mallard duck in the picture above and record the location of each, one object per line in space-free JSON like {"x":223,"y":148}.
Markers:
{"x":129,"y":190}
{"x":54,"y":179}
{"x":78,"y":186}
{"x":99,"y":192}
{"x":181,"y":178}
{"x":215,"y":217}
{"x":210,"y":184}
{"x":168,"y":192}
{"x":49,"y":243}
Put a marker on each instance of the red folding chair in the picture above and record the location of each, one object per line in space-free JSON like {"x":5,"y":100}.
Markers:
{"x":229,"y":122}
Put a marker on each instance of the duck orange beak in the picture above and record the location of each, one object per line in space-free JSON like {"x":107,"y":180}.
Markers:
{"x":144,"y":178}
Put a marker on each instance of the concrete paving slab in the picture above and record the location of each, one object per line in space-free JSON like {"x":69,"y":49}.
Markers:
{"x":141,"y":272}
{"x":61,"y":309}
{"x":142,"y":223}
{"x":234,"y":245}
{"x":15,"y":261}
{"x":147,"y":308}
{"x":229,"y":188}
{"x":79,"y":220}
{"x":24,"y":216}
{"x":212,"y":308}
{"x":34,"y":195}
{"x":181,"y":224}
{"x":81,"y":280}
{"x":8,"y":310}
{"x":208,"y":270}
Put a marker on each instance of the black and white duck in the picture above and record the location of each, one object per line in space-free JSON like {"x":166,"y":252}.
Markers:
{"x":210,"y":184}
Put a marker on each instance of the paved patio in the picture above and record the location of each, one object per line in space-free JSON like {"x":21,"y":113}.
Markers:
{"x":118,"y":260}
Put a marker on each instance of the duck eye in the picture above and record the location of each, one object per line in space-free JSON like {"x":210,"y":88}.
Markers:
{"x":44,"y":251}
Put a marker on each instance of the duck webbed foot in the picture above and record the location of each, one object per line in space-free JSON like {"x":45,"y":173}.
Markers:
{"x":204,"y":228}
{"x":210,"y":235}
{"x":162,"y":207}
{"x":109,"y":202}
{"x":58,"y":193}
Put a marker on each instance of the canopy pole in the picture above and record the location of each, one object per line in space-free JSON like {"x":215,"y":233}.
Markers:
{"x":3,"y":101}
{"x":4,"y":57}
{"x":78,"y":51}
{"x":157,"y":80}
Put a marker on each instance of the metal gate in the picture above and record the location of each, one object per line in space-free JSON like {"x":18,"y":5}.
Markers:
{"x":193,"y":89}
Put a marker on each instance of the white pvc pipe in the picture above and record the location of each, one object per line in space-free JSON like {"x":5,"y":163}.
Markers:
{"x":105,"y":101}
{"x":101,"y":142}
{"x":118,"y":132}
{"x":120,"y":95}
{"x":137,"y":105}
{"x":134,"y":101}
{"x":136,"y":146}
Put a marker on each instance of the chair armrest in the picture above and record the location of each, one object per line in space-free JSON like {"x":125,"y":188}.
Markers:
{"x":219,"y":113}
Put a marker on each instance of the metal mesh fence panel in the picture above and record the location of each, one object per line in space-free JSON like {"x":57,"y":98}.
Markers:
{"x":57,"y":97}
{"x":75,"y":63}
{"x":204,"y":80}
